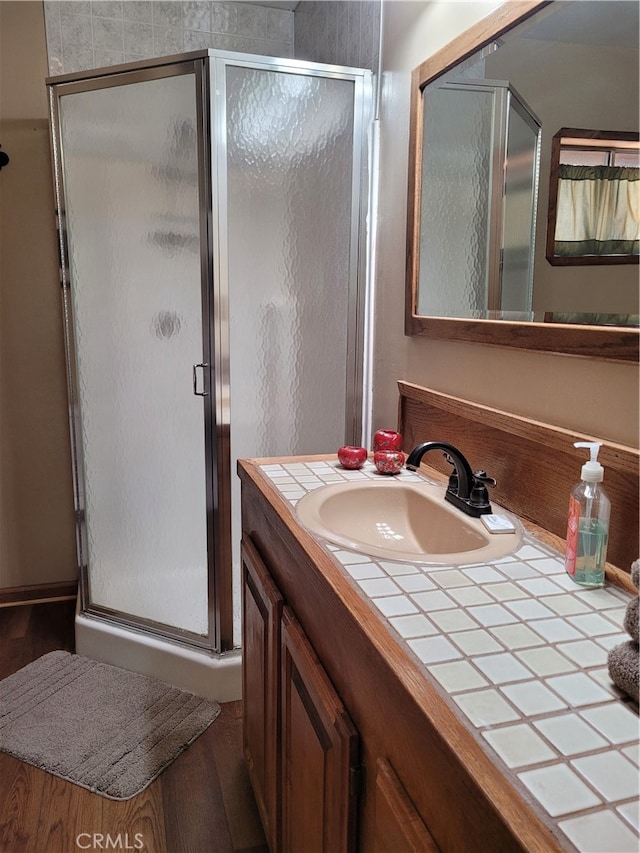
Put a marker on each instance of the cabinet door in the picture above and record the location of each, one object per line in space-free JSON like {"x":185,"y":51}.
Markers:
{"x":262,"y":609}
{"x":319,"y":753}
{"x":398,"y":824}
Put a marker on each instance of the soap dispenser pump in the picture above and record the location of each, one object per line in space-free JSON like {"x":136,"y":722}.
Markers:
{"x":588,"y":523}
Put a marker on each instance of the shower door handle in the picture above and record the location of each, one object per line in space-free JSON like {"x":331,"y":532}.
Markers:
{"x":202,"y":393}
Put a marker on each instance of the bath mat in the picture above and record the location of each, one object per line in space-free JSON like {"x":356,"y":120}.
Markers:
{"x":104,"y":728}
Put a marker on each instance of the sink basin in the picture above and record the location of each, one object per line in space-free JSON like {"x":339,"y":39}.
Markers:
{"x":396,"y":520}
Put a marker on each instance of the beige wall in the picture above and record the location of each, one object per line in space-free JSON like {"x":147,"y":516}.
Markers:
{"x":37,"y":538}
{"x":586,"y":395}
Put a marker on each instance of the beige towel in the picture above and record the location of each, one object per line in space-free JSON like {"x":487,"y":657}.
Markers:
{"x":624,"y":668}
{"x":630,"y":623}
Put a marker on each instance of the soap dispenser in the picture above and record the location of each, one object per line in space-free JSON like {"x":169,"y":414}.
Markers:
{"x":588,"y":523}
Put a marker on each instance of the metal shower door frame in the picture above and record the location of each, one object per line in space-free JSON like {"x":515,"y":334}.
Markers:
{"x":120,"y":75}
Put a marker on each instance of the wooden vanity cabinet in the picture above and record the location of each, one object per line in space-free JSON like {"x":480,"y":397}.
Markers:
{"x":425,"y":783}
{"x":300,"y":746}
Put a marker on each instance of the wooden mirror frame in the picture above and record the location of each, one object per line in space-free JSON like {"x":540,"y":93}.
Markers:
{"x":556,"y":147}
{"x":611,"y":343}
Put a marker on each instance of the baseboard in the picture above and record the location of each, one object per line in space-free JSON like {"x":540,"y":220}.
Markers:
{"x":38,"y":593}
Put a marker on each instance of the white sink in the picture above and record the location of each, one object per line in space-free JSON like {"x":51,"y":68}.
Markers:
{"x":396,"y":520}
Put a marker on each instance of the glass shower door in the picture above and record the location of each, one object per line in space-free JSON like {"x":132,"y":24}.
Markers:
{"x":138,"y":348}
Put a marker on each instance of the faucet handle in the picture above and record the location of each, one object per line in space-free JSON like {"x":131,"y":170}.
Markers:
{"x":481,"y":477}
{"x":479,"y":497}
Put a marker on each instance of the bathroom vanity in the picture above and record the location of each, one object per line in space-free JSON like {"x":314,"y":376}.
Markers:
{"x":392,"y":706}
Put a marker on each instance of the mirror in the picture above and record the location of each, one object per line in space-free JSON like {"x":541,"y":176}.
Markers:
{"x":538,"y":50}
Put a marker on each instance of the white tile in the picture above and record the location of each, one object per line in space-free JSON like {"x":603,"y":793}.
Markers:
{"x":415,"y":625}
{"x":603,"y":678}
{"x":467,"y":595}
{"x":519,"y":746}
{"x":555,"y":630}
{"x":364,"y":570}
{"x":457,"y":676}
{"x":584,"y":653}
{"x":291,"y":492}
{"x":517,"y":636}
{"x":348,"y":558}
{"x":375,"y":587}
{"x":569,"y":734}
{"x":632,"y":752}
{"x":566,"y":582}
{"x":532,"y":698}
{"x":483,"y":574}
{"x":397,"y":568}
{"x":502,"y":668}
{"x":546,"y":661}
{"x":631,"y":813}
{"x":414,"y":583}
{"x":565,"y":605}
{"x":593,"y":624}
{"x":434,"y":649}
{"x":601,"y":599}
{"x":505,"y":591}
{"x":611,"y":774}
{"x":549,"y":566}
{"x":429,"y":601}
{"x":540,"y":586}
{"x":578,"y":689}
{"x":617,"y":722}
{"x":611,"y":640}
{"x":453,"y":620}
{"x":529,"y":609}
{"x":617,"y":615}
{"x":558,"y":789}
{"x":528,"y":552}
{"x":518,"y":571}
{"x":451,"y":578}
{"x":492,"y":614}
{"x":476,"y":642}
{"x":486,"y":708}
{"x":601,"y":832}
{"x":395,"y":605}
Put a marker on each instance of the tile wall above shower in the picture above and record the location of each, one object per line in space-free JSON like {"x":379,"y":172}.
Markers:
{"x":85,"y":34}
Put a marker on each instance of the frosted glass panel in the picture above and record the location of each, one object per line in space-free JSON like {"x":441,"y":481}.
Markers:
{"x":290,"y":161}
{"x":457,"y":152}
{"x":130,"y":171}
{"x":518,"y":214}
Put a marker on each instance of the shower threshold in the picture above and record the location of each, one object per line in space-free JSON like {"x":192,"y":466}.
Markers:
{"x":207,"y":674}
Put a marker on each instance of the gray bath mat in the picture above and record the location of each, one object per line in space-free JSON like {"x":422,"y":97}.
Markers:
{"x":99,"y":726}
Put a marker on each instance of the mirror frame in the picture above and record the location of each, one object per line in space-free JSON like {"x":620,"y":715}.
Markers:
{"x":615,"y":344}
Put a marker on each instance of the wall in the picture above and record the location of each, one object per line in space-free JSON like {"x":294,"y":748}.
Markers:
{"x":342,"y":32}
{"x":37,"y":534}
{"x":83,"y":34}
{"x":596,"y":397}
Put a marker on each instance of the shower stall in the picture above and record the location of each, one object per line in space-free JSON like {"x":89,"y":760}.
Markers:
{"x":211,"y":219}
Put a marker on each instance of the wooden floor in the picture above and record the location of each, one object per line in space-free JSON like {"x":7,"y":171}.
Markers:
{"x":202,"y":803}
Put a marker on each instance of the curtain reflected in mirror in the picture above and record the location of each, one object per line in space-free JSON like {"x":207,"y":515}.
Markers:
{"x":594,"y":198}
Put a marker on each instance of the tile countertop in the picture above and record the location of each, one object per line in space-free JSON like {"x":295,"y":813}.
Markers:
{"x":520,"y":652}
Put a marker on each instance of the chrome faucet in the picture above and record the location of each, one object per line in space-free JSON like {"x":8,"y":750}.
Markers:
{"x":467,"y":489}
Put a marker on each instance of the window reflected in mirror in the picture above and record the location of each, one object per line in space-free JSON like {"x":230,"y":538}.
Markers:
{"x":594,"y":198}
